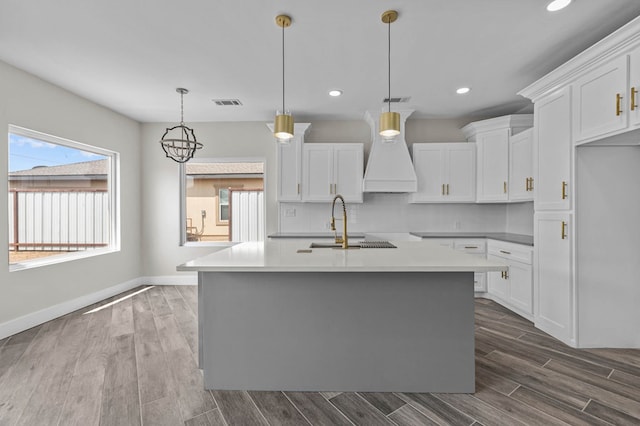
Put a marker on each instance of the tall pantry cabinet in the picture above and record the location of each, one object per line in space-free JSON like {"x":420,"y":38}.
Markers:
{"x":586,"y":201}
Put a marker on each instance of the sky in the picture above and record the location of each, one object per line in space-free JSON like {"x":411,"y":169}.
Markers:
{"x":26,"y":153}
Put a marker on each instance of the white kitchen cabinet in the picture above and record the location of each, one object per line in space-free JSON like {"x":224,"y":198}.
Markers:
{"x":606,"y":99}
{"x":330,"y":169}
{"x":496,"y":282}
{"x":493,"y":166}
{"x":512,"y":288}
{"x":598,"y":100}
{"x":289,"y":159}
{"x":634,"y":88}
{"x":552,"y":151}
{"x":473,"y":246}
{"x":552,"y":275}
{"x":521,"y":166}
{"x":445,"y":172}
{"x":493,"y":138}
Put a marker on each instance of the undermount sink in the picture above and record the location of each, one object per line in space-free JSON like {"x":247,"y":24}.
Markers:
{"x":361,"y":244}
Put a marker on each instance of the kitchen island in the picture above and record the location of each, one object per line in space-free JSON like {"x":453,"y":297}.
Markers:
{"x":280,"y":316}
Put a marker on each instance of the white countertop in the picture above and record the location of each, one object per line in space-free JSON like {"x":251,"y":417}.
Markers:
{"x":282,"y":256}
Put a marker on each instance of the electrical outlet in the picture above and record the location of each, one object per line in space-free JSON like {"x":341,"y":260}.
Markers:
{"x":290,"y":212}
{"x":456,"y":225}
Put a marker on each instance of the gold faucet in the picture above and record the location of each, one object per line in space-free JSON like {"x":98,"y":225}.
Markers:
{"x":345,"y":239}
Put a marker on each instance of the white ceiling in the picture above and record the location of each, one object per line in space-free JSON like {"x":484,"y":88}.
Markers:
{"x":130,"y":55}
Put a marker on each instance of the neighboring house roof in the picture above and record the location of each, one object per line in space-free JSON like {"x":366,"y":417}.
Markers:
{"x":97,"y":168}
{"x":224,"y":168}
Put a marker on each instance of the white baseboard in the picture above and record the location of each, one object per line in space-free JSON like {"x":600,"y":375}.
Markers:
{"x":25,"y":322}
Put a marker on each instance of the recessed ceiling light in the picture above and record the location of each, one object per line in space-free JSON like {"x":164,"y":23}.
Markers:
{"x":463,"y":90}
{"x":556,"y":5}
{"x":335,"y":93}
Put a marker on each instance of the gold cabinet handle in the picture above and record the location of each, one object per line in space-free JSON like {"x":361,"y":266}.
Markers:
{"x":506,"y":275}
{"x":618,"y":104}
{"x":502,"y":274}
{"x":505,"y":252}
{"x":443,"y":189}
{"x":564,"y":230}
{"x":526,"y":184}
{"x":298,"y":189}
{"x":564,"y":190}
{"x":447,"y":189}
{"x":634,"y":92}
{"x":530,"y":184}
{"x":471,"y":247}
{"x":504,"y":186}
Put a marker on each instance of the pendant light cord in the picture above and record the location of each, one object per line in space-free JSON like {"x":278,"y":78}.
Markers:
{"x":283,"y":111}
{"x":389,"y":62}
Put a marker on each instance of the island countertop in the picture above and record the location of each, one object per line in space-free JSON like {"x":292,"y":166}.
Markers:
{"x":296,"y":256}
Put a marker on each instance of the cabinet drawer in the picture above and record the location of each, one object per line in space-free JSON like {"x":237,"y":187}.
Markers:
{"x":444,"y":242}
{"x":510,"y":251}
{"x":473,"y":246}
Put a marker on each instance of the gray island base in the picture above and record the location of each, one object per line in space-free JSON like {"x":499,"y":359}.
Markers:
{"x":337,"y":331}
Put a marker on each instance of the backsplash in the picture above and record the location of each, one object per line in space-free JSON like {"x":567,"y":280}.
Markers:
{"x":394,"y":213}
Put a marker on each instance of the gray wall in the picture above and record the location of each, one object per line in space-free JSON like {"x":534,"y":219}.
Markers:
{"x":29,"y":102}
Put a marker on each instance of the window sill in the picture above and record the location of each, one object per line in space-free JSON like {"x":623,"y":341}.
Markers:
{"x":60,"y":258}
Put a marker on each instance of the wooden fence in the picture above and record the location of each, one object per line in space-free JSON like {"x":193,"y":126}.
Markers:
{"x":58,"y":220}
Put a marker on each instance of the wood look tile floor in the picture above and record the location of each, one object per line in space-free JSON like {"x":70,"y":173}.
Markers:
{"x":134,"y":362}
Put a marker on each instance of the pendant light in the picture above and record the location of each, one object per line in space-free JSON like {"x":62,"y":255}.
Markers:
{"x":183,"y":145}
{"x":389,"y":121}
{"x":283,"y":126}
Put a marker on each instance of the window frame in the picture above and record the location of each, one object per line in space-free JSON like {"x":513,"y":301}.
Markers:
{"x":219,"y":220}
{"x":113,"y":189}
{"x":183,"y":198}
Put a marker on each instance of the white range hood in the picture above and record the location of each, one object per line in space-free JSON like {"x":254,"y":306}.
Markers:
{"x":389,"y":168}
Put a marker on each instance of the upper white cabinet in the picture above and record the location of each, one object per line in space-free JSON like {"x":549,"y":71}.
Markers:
{"x":492,"y":138}
{"x":600,"y":98}
{"x":493,"y":165}
{"x":330,"y":169}
{"x":606,"y":99}
{"x":634,"y":87}
{"x":445,"y":171}
{"x":289,"y":157}
{"x":521,"y":166}
{"x":552,"y":151}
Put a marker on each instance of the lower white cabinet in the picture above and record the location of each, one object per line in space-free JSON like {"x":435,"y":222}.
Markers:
{"x":474,"y":246}
{"x":553,"y":277}
{"x":513,"y":288}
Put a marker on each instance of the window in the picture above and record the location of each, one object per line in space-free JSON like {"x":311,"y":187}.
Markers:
{"x":62,"y":200}
{"x":222,"y":201}
{"x":223,"y":205}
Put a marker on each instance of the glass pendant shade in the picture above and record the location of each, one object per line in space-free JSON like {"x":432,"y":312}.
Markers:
{"x":389,"y":124}
{"x":283,"y":126}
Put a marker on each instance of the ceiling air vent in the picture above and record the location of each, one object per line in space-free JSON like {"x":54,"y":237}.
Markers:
{"x":227,"y":102}
{"x":396,"y":100}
